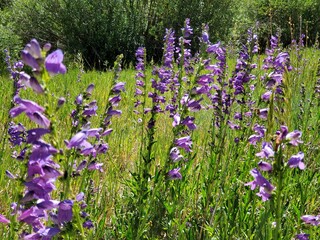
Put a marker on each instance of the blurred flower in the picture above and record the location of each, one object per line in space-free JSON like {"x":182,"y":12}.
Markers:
{"x":53,"y":63}
{"x":174,"y":174}
{"x":3,"y":219}
{"x":65,"y":211}
{"x":302,"y":236}
{"x":266,"y":187}
{"x":296,"y":161}
{"x":310,"y":219}
{"x":267,"y":150}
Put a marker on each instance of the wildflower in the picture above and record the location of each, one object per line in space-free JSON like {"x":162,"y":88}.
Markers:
{"x":263,"y":113}
{"x":296,"y":161}
{"x":174,"y":174}
{"x":267,"y":150}
{"x":266,"y":187}
{"x":175,"y":155}
{"x":77,"y":139}
{"x":294,"y":137}
{"x":53,"y":63}
{"x":260,"y":132}
{"x":266,"y":96}
{"x":184,"y":142}
{"x":65,"y":211}
{"x":3,"y":219}
{"x":310,"y":219}
{"x":32,"y":110}
{"x":302,"y":236}
{"x":119,"y":87}
{"x":265,"y":166}
{"x":88,"y":224}
{"x":31,"y":55}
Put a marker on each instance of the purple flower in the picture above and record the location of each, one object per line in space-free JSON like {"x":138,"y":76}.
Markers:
{"x":119,"y":87}
{"x":54,"y":63}
{"x":80,"y":196}
{"x":310,"y":219}
{"x":188,"y":121}
{"x":65,"y":211}
{"x":184,"y":142}
{"x":294,"y":137}
{"x":265,"y":186}
{"x":88,"y":224}
{"x":32,"y":110}
{"x":90,"y":89}
{"x":31,"y":55}
{"x":260,"y":132}
{"x":267,"y":150}
{"x":47,"y":204}
{"x":175,"y":155}
{"x":263,"y":113}
{"x":302,"y":236}
{"x":95,"y":166}
{"x":3,"y":219}
{"x":35,"y":134}
{"x":35,"y":85}
{"x":174,"y":174}
{"x":176,"y":120}
{"x":266,"y":96}
{"x":31,"y":215}
{"x":77,"y":139}
{"x":296,"y":161}
{"x":265,"y":166}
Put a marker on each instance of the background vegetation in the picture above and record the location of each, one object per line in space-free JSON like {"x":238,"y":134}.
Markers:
{"x":102,"y":29}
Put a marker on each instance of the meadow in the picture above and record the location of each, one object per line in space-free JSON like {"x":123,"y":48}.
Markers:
{"x":219,"y":144}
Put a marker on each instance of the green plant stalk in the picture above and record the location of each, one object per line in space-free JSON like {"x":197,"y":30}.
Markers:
{"x":279,"y":171}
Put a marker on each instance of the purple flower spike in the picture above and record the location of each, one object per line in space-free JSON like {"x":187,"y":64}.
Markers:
{"x":65,"y":211}
{"x":174,"y":174}
{"x":54,"y":63}
{"x":302,"y":236}
{"x":3,"y":219}
{"x":296,"y":161}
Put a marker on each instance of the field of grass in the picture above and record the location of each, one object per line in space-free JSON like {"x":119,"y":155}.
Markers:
{"x":135,"y":195}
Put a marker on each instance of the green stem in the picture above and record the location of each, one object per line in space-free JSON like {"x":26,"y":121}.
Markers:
{"x":278,"y":208}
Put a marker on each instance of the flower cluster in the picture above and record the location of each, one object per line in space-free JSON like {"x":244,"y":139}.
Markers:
{"x":267,"y":155}
{"x":42,"y":172}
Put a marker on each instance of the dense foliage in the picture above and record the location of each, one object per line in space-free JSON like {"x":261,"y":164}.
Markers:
{"x":100,"y":30}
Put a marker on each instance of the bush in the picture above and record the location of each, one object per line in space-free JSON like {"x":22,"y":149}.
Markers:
{"x":101,"y":30}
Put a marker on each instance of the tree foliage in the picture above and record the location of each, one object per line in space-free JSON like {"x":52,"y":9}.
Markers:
{"x":102,"y":29}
